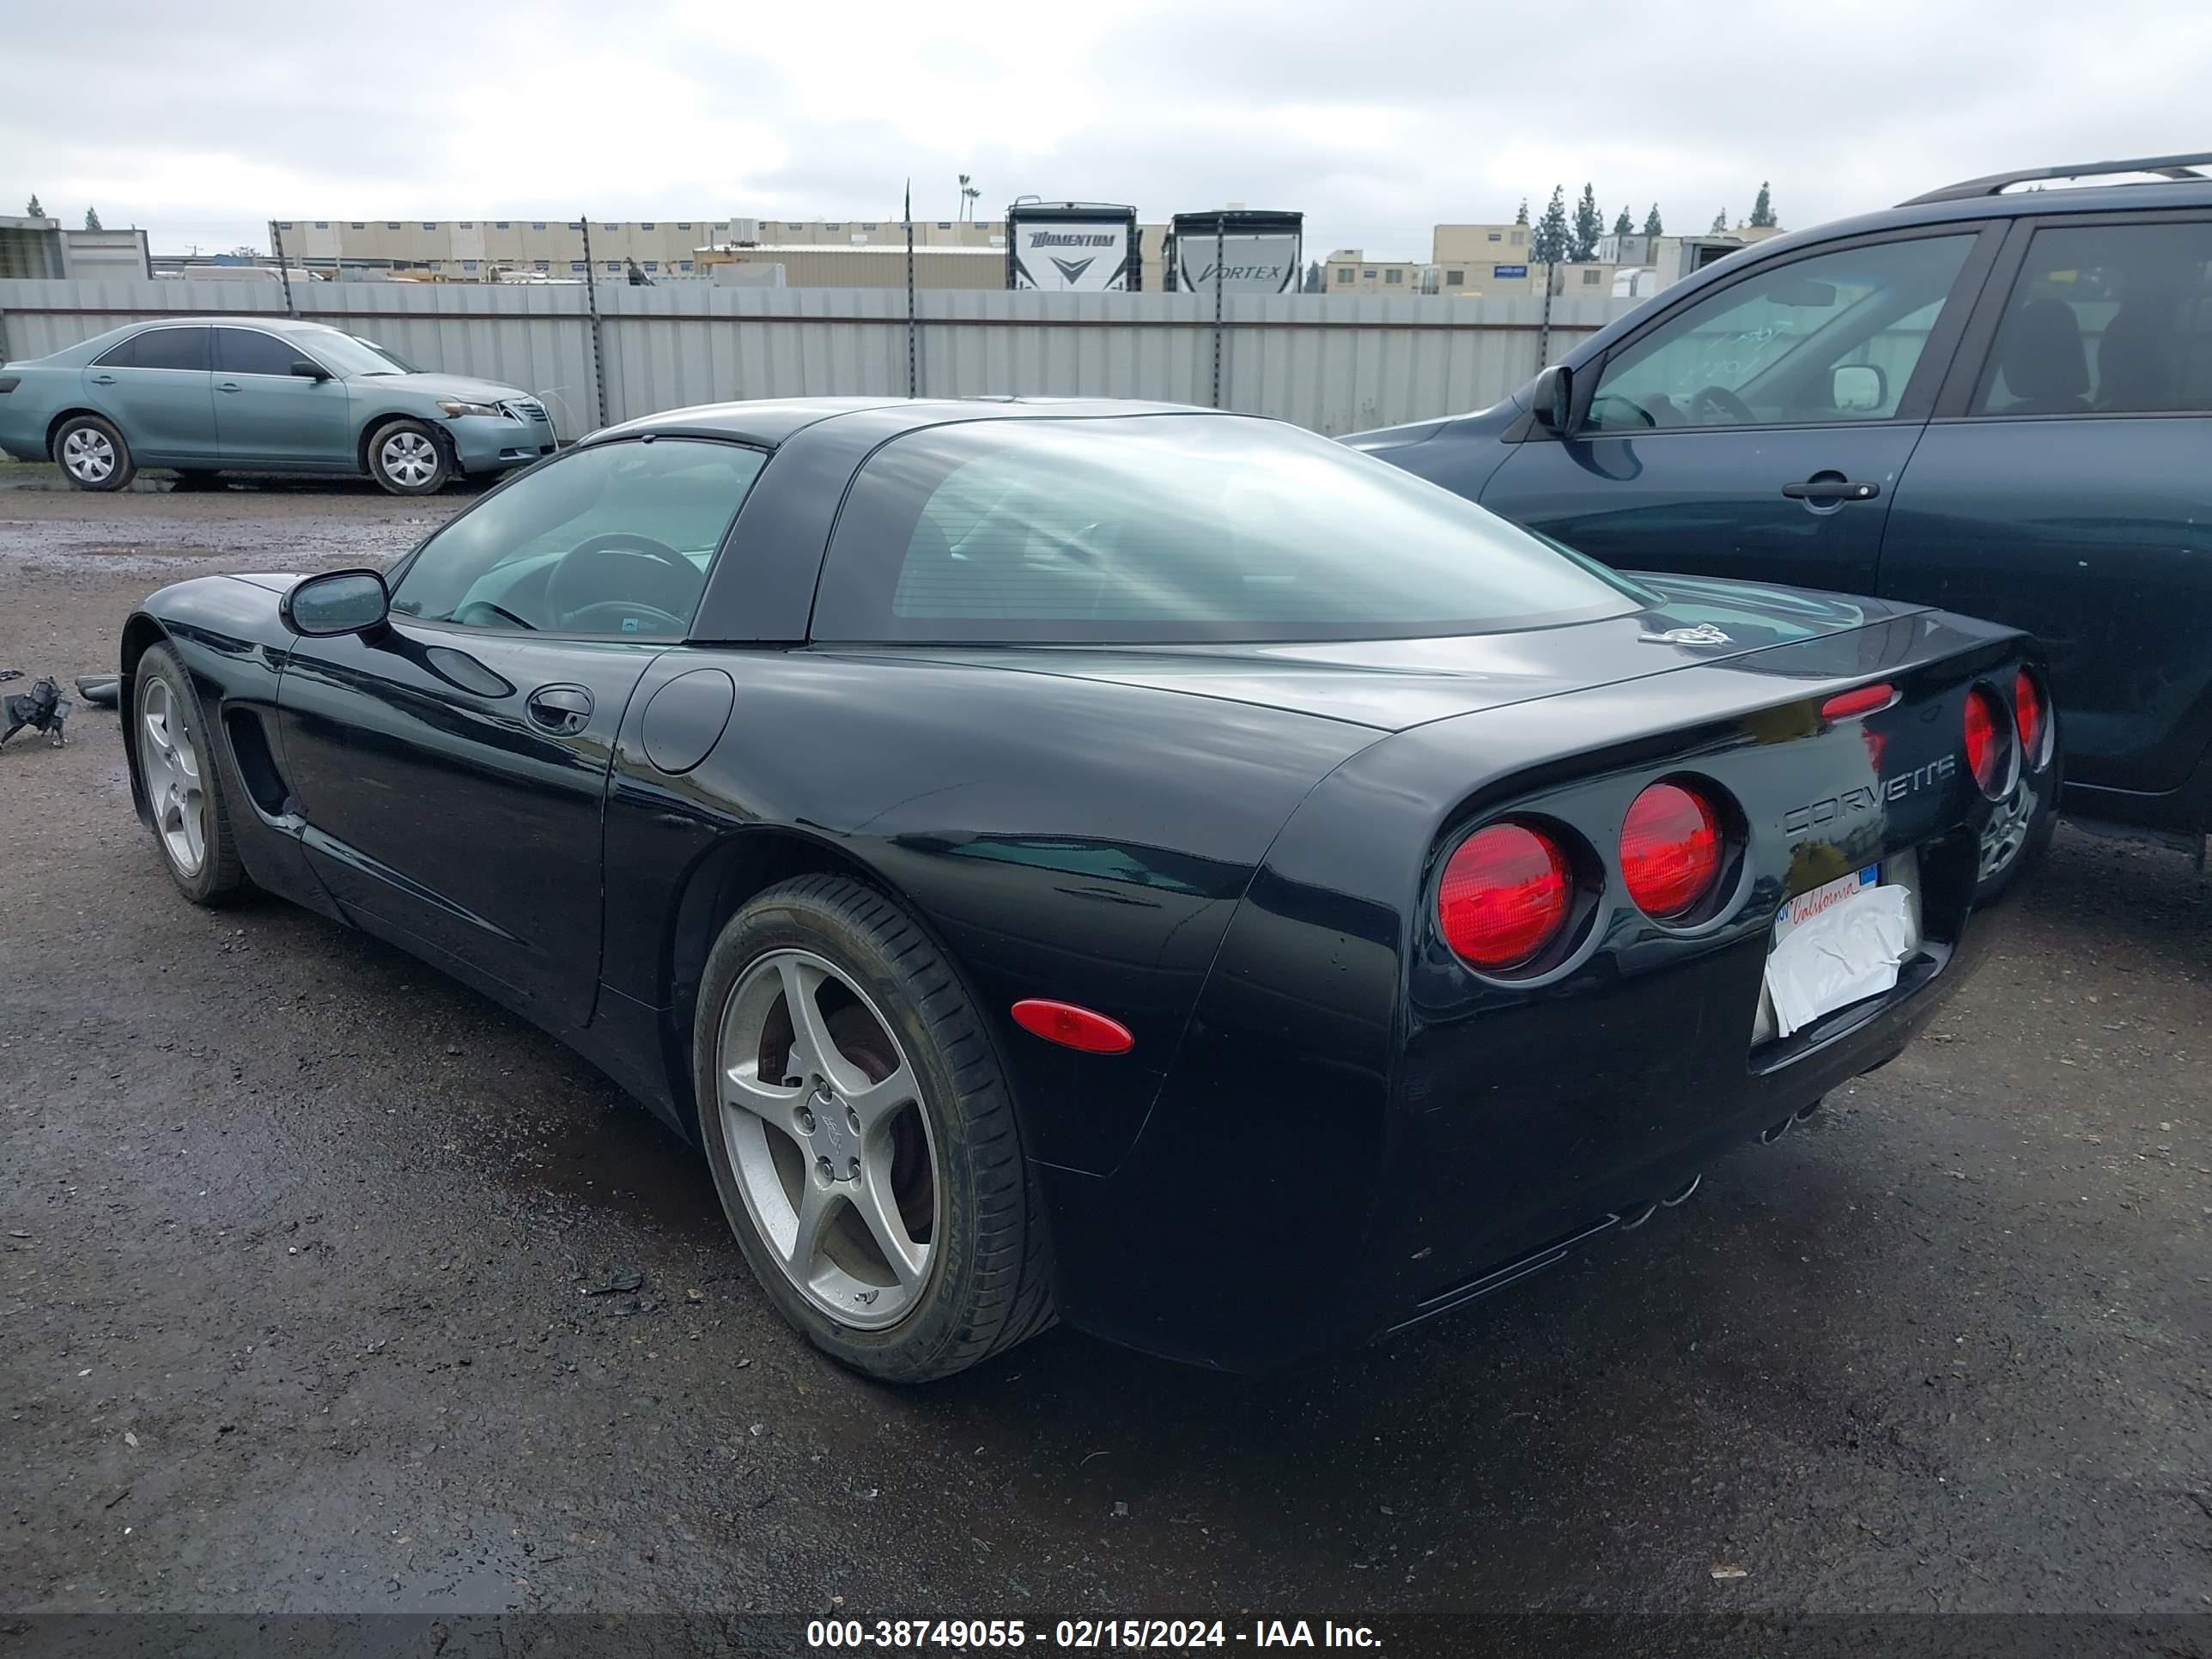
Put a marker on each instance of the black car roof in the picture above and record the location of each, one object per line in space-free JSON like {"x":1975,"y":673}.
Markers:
{"x":2009,"y":204}
{"x":770,"y":422}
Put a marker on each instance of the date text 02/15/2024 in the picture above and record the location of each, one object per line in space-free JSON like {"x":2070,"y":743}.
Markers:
{"x":1166,"y":1635}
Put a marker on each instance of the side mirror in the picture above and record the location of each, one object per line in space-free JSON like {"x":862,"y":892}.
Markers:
{"x":336,"y":602}
{"x":308,"y":370}
{"x":1854,"y":388}
{"x":1555,"y":399}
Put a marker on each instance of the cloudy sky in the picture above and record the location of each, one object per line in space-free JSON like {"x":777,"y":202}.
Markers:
{"x":203,"y":122}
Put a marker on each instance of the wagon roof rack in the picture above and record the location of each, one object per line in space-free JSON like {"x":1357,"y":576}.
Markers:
{"x":2177,"y":167}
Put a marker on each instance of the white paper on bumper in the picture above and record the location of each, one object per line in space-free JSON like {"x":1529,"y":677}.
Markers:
{"x":1849,"y":951}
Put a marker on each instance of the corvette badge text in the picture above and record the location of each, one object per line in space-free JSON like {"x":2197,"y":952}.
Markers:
{"x":1869,"y":795}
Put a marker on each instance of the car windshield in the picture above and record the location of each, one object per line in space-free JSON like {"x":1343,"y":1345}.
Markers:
{"x":1177,"y":527}
{"x":351,"y":357}
{"x":388,"y":354}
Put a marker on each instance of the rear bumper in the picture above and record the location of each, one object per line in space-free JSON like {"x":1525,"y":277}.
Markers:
{"x":1359,"y":1133}
{"x":21,"y":434}
{"x":1482,"y":1228}
{"x":1249,"y":1245}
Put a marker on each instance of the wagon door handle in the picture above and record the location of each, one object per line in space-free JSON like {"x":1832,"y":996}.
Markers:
{"x":226,"y":385}
{"x":563,"y":710}
{"x":1830,"y":488}
{"x":103,"y":380}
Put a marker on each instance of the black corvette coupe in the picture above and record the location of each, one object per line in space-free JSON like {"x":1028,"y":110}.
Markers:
{"x":1148,"y":867}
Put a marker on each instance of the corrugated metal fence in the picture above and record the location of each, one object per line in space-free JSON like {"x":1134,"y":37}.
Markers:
{"x":1333,"y":363}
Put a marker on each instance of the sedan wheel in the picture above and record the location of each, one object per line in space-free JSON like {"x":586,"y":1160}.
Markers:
{"x":862,"y":1135}
{"x":407,"y":458}
{"x":821,"y":1114}
{"x":92,"y":455}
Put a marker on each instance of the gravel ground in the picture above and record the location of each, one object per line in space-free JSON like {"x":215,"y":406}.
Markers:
{"x":295,"y":1239}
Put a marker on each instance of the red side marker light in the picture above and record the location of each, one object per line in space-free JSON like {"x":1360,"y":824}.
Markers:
{"x":1073,"y":1027}
{"x":1845,"y":705}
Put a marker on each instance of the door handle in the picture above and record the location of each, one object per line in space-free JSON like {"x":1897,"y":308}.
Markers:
{"x":226,"y":385}
{"x":563,"y":710}
{"x":1824,"y":491}
{"x":103,"y":380}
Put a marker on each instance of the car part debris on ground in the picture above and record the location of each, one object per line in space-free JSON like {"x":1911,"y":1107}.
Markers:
{"x":42,"y":707}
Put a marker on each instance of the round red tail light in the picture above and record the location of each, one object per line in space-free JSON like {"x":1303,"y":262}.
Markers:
{"x":1507,"y":893}
{"x":2027,"y":714}
{"x":1985,"y":739}
{"x":1670,"y":850}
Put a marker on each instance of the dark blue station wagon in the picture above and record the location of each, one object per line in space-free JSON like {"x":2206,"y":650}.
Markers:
{"x":1995,"y":398}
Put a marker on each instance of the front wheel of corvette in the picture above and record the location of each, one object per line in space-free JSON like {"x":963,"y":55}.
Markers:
{"x":184,"y":790}
{"x":862,"y":1136}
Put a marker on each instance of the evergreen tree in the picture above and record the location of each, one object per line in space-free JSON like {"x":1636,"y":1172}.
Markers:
{"x":92,"y":218}
{"x":1651,"y":225}
{"x":1762,"y":210}
{"x":1720,"y":224}
{"x":33,"y":210}
{"x":1589,"y":224}
{"x":1547,"y":243}
{"x":1520,"y":218}
{"x":1624,"y":226}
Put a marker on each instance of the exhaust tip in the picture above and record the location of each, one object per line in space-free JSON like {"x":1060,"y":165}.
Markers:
{"x":1631,"y":1219}
{"x":1774,"y":1132}
{"x":1804,"y":1113}
{"x":1683,"y":1197}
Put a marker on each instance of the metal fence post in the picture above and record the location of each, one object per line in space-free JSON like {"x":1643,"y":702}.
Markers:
{"x":1544,"y":332}
{"x":283,"y":271}
{"x":591,"y":303}
{"x":1220,"y":247}
{"x":913,"y":376}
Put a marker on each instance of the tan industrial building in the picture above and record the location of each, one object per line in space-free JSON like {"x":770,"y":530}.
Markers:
{"x":1478,"y":259}
{"x":473,"y":250}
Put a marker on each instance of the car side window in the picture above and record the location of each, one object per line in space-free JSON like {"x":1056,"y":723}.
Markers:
{"x":160,"y":348}
{"x":1833,"y":338}
{"x":2107,"y":319}
{"x":249,"y":351}
{"x":612,"y":538}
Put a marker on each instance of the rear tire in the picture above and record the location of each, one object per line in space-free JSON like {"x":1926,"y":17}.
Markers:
{"x":410,"y":458}
{"x":2011,"y":848}
{"x":773,"y":1120}
{"x":183,"y":785}
{"x":92,"y":454}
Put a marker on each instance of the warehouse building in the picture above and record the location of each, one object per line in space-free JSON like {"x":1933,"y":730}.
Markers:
{"x":467,"y":249}
{"x":479,"y":249}
{"x":41,"y":248}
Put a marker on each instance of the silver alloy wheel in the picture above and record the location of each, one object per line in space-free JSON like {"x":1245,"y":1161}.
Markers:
{"x":409,"y":457}
{"x":89,"y":456}
{"x":169,"y":758}
{"x":828,"y":1140}
{"x":2006,"y":833}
